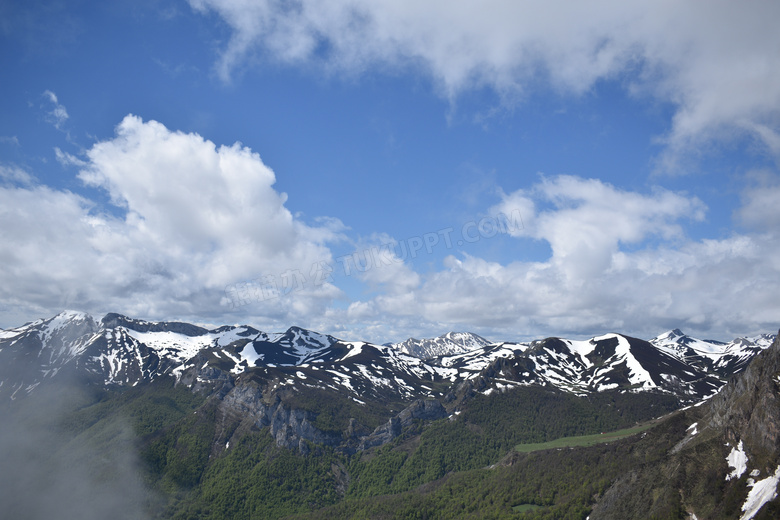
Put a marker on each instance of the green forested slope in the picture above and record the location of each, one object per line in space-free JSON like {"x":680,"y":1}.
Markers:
{"x":458,"y":467}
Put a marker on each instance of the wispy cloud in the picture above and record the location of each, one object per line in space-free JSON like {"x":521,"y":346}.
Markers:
{"x":66,"y":159}
{"x":15,"y":175}
{"x":175,"y":71}
{"x":760,"y":210}
{"x":718,"y":64}
{"x":57,"y":114}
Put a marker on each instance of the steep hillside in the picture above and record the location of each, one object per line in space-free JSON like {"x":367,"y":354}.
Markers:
{"x":727,"y":462}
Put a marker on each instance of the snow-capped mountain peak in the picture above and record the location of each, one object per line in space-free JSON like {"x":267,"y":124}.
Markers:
{"x":711,"y":355}
{"x":444,"y":345}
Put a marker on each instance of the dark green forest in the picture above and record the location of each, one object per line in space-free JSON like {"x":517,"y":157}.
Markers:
{"x":458,"y":467}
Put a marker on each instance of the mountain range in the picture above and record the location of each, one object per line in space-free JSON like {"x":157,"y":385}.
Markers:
{"x":375,"y":419}
{"x":118,"y":350}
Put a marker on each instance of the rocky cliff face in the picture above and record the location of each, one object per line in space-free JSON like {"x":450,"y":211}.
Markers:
{"x":748,"y":407}
{"x":246,"y":404}
{"x":422,"y":410}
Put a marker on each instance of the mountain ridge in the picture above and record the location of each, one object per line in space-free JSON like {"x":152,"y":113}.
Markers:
{"x":124,"y":350}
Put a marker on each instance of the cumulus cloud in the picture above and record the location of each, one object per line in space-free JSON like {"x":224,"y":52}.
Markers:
{"x":619,"y":261}
{"x":379,"y":261}
{"x":188,"y":219}
{"x":588,"y":220}
{"x":718,"y":64}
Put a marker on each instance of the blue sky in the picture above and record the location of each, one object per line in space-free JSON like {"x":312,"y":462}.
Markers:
{"x":516,"y":169}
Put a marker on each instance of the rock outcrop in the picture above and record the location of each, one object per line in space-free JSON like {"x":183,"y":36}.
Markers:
{"x":424,"y":410}
{"x":246,"y":405}
{"x":748,"y":407}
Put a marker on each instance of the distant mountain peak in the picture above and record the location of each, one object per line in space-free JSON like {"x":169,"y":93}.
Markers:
{"x":73,"y":315}
{"x":670,"y":335}
{"x":112,"y":320}
{"x":444,"y":345}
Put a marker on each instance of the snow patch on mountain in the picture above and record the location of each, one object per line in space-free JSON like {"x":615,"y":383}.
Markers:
{"x":176,"y":346}
{"x":584,"y":348}
{"x":737,"y":459}
{"x":249,"y":355}
{"x":355,"y":348}
{"x":233,"y":334}
{"x":761,"y":492}
{"x":476,"y":360}
{"x":638,"y":376}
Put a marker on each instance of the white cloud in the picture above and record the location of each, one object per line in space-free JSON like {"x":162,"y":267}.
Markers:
{"x":760,"y":209}
{"x":376,"y":262}
{"x":10,"y":174}
{"x":191,"y":218}
{"x":66,"y":159}
{"x":588,"y":220}
{"x":718,"y":63}
{"x":620,"y":261}
{"x":58,"y":113}
{"x":195,"y":218}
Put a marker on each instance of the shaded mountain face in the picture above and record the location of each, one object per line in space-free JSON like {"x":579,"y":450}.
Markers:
{"x":259,"y":377}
